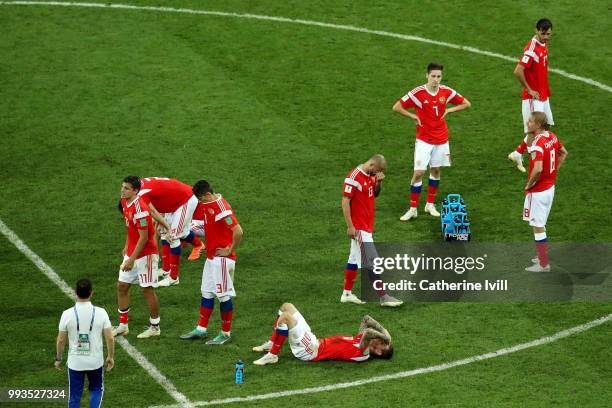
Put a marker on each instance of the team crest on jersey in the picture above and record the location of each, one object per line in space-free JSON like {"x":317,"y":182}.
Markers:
{"x":211,"y":211}
{"x":442,"y":99}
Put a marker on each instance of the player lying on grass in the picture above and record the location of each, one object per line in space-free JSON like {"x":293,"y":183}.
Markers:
{"x":372,"y":340}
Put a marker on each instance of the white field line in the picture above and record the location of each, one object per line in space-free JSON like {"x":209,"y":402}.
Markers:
{"x":56,"y":279}
{"x":410,"y":373}
{"x":68,"y":291}
{"x":307,"y":23}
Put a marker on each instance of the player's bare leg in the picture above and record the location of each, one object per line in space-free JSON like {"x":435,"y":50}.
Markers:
{"x":284,"y":323}
{"x":123,"y":303}
{"x":541,"y":243}
{"x":432,"y":189}
{"x":153,"y":303}
{"x":415,"y":191}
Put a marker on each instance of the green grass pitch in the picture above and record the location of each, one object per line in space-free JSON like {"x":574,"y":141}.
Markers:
{"x":274,"y":115}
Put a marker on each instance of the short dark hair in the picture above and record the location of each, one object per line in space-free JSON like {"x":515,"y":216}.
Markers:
{"x":201,"y":187}
{"x":544,"y":24}
{"x":434,"y":66}
{"x":83,"y":288}
{"x":134,"y":181}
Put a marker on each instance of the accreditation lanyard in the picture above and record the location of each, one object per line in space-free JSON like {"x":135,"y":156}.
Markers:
{"x":83,"y":345}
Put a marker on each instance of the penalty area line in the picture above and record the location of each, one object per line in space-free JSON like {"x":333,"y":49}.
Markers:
{"x":411,"y":373}
{"x":344,"y":27}
{"x":132,"y":351}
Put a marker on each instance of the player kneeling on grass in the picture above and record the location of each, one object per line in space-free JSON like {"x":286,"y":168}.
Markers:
{"x":372,"y":341}
{"x":546,"y":155}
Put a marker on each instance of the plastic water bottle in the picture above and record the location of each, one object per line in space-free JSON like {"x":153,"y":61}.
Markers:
{"x":239,"y":372}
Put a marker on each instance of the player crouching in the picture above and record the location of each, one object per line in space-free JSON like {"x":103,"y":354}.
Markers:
{"x":372,"y":341}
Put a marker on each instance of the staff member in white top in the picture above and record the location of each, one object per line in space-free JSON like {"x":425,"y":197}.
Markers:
{"x":83,"y":325}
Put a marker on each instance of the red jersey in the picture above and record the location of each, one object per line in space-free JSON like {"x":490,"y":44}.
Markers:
{"x":545,"y":148}
{"x":219,"y":221}
{"x":137,"y":217}
{"x":359,"y":187}
{"x":430,"y":110}
{"x":166,"y":194}
{"x":535,"y":61}
{"x":199,"y":214}
{"x":342,"y":348}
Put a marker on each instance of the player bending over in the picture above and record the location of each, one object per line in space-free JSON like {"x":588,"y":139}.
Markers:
{"x":371,"y":341}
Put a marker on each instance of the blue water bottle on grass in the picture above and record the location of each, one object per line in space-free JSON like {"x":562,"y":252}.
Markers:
{"x":239,"y":372}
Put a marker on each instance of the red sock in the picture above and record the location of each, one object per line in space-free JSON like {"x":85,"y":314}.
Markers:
{"x":431,"y":192}
{"x":226,"y":320}
{"x":273,"y":336}
{"x":196,"y":242}
{"x":205,"y":313}
{"x":175,"y":261}
{"x":349,"y":279}
{"x":281,"y":335}
{"x":521,"y":148}
{"x":123,"y":316}
{"x":165,"y":252}
{"x":542,"y":249}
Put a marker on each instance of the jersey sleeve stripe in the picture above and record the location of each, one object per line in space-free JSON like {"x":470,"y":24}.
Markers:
{"x":532,"y":55}
{"x":223,"y":214}
{"x":415,"y":100}
{"x":535,"y":149}
{"x":140,"y":215}
{"x":352,"y":182}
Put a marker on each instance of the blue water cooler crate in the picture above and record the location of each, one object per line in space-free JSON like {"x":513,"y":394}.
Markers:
{"x":454,"y":219}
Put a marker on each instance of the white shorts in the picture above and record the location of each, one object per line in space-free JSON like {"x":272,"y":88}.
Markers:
{"x":197,"y":227}
{"x":217,"y":277}
{"x":537,"y":207}
{"x":429,"y":154}
{"x":362,"y":249}
{"x":180,"y":221}
{"x":304,"y":344}
{"x":144,"y":272}
{"x":531,"y":105}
